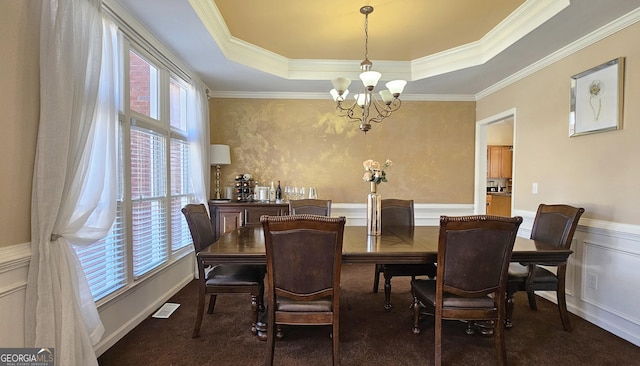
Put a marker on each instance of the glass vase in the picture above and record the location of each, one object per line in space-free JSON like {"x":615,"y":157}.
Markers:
{"x":373,"y":211}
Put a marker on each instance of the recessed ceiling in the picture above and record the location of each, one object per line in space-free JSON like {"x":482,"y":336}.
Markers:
{"x":399,"y":30}
{"x":293,"y":47}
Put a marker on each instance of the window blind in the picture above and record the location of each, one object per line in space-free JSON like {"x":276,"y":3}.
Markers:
{"x":104,"y":262}
{"x":181,"y":192}
{"x":149,"y":217}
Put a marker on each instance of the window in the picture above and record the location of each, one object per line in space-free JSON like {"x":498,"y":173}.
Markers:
{"x":153,"y":179}
{"x":181,"y":189}
{"x":178,"y":105}
{"x":148,"y":200}
{"x":143,"y":86}
{"x":181,"y":192}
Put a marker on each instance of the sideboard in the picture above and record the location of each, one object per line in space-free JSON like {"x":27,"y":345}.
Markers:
{"x":227,"y":216}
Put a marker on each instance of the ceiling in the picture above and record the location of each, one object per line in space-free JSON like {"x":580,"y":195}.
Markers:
{"x":293,"y":47}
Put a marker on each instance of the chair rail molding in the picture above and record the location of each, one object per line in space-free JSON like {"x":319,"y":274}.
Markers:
{"x":425,"y":214}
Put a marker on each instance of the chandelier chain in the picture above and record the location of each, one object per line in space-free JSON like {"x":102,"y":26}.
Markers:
{"x":366,"y":36}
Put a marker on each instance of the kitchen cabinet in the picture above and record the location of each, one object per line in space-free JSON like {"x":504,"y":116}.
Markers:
{"x":499,"y":204}
{"x":228,"y":216}
{"x":499,"y":161}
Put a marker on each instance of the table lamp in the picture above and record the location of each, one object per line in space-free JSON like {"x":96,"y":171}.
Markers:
{"x":219,"y":155}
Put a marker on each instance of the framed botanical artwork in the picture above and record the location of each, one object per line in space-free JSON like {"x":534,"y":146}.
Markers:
{"x":597,"y":99}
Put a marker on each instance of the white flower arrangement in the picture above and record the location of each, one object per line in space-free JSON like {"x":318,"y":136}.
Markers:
{"x":374,"y":172}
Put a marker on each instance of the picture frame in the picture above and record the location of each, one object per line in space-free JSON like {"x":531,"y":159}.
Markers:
{"x":597,"y":99}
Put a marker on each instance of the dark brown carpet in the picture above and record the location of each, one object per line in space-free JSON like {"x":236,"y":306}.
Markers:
{"x":369,"y":335}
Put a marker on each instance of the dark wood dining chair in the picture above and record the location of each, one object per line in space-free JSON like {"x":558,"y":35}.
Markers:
{"x":304,"y":260}
{"x":554,"y":224}
{"x":310,"y":207}
{"x":398,"y":213}
{"x":473,"y":260}
{"x":222,"y":278}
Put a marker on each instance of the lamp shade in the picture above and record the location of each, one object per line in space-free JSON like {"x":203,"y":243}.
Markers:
{"x":219,"y":155}
{"x":341,"y":84}
{"x":396,"y":87}
{"x":370,"y":78}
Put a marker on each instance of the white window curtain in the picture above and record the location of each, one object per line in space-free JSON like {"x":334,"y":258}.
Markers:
{"x":198,"y":135}
{"x":74,"y":183}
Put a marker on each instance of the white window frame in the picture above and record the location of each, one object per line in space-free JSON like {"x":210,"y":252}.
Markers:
{"x":161,"y":126}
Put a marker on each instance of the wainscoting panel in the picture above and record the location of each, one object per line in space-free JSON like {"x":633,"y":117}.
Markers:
{"x":608,"y":272}
{"x":14,"y":271}
{"x":606,"y":256}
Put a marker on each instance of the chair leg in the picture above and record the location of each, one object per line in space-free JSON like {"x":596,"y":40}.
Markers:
{"x":336,"y":343}
{"x":212,"y":304}
{"x":387,"y":291}
{"x":510,"y":304}
{"x":501,"y":350}
{"x":416,"y":315}
{"x":470,"y":327}
{"x":532,"y":299}
{"x":199,"y":314}
{"x":254,"y":313}
{"x":268,"y":360}
{"x":261,"y":296}
{"x":376,"y":278}
{"x":562,"y":301}
{"x":438,"y":340}
{"x":529,"y":286}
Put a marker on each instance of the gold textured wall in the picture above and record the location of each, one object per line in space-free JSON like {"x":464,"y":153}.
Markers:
{"x":305,"y":143}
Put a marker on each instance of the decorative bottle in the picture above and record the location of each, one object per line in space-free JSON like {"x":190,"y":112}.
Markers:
{"x":278,"y":193}
{"x":272,"y":193}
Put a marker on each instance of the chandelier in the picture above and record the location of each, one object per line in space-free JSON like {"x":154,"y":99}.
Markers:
{"x":366,"y":107}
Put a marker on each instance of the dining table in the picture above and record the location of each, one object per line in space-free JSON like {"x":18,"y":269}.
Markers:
{"x":399,"y":244}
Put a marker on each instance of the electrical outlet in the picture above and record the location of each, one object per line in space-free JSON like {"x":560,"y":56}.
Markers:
{"x":592,"y":281}
{"x":534,"y":188}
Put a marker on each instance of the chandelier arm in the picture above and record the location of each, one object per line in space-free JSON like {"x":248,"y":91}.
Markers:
{"x":382,"y":112}
{"x":339,"y":106}
{"x":386,"y":109}
{"x":349,"y":113}
{"x":395,"y":105}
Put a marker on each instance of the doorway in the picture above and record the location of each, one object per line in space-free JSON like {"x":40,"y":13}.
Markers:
{"x":485,"y":136}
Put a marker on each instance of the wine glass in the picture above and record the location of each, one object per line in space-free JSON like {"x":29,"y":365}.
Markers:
{"x":287,"y":193}
{"x":294,"y":192}
{"x":302,"y":193}
{"x":313,"y":193}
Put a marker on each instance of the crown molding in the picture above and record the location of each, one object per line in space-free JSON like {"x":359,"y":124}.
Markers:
{"x":603,"y":32}
{"x":523,"y":20}
{"x":325,"y":96}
